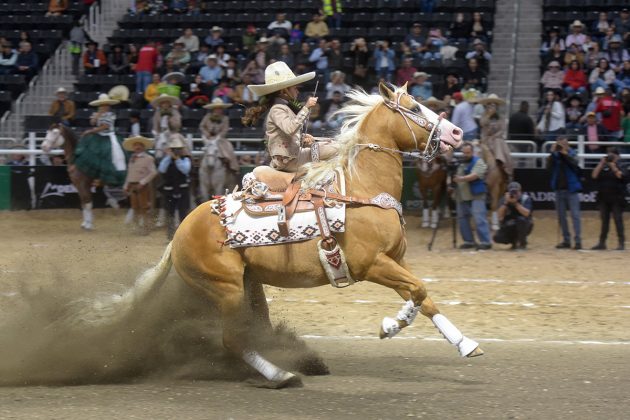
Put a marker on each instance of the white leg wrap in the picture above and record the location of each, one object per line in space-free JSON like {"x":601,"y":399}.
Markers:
{"x":435,"y":218}
{"x":129,"y":216}
{"x":495,"y":221}
{"x":88,"y":217}
{"x":453,"y":335}
{"x":407,"y":314}
{"x":425,"y":217}
{"x":161,"y":218}
{"x":265,"y":367}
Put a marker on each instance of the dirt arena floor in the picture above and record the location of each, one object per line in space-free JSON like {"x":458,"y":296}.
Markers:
{"x":555,"y":326}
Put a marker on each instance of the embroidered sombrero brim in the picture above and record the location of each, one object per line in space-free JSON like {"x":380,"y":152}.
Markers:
{"x":262,"y":90}
{"x":130,"y":141}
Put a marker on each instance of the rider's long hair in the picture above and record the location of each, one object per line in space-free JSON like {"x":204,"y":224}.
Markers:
{"x":253,"y":114}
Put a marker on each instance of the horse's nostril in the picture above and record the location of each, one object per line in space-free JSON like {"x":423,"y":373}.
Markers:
{"x":456,"y":132}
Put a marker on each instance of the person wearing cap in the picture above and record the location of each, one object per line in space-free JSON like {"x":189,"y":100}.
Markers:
{"x":615,"y":54}
{"x":211,"y":73}
{"x":492,"y":126}
{"x":576,"y":36}
{"x":482,"y":56}
{"x":421,"y":87}
{"x":179,"y":55}
{"x":287,"y":145}
{"x":515,"y":217}
{"x":611,"y":113}
{"x":62,"y":108}
{"x":166,"y":120}
{"x":145,"y":66}
{"x":99,"y":154}
{"x":140,"y":172}
{"x":190,"y":41}
{"x":94,"y":59}
{"x":175,"y":169}
{"x":220,"y":163}
{"x":611,"y":180}
{"x":565,"y":182}
{"x":551,"y":40}
{"x":594,"y":132}
{"x":553,"y":77}
{"x":8,"y":58}
{"x":214,"y":39}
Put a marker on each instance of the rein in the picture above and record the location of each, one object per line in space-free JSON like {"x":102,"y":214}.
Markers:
{"x":432,"y":147}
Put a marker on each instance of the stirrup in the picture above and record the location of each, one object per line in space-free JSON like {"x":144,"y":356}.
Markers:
{"x":334,"y":263}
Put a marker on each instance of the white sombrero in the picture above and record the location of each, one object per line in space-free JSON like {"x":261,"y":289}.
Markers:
{"x":130,"y":141}
{"x":217,"y":103}
{"x":277,"y":77}
{"x":176,"y":141}
{"x":164,"y":97}
{"x":491,"y":99}
{"x":176,"y":76}
{"x":104,"y":99}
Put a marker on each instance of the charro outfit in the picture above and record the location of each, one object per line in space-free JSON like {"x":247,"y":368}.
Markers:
{"x":100,"y":155}
{"x":165,"y":122}
{"x":219,"y":154}
{"x":175,"y":174}
{"x":493,"y":136}
{"x":139,"y":176}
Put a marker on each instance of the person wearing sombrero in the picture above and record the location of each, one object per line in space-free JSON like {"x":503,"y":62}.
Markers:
{"x":99,"y":154}
{"x":166,"y":120}
{"x":219,"y":164}
{"x":576,"y":36}
{"x":286,"y":144}
{"x":493,"y":133}
{"x":140,"y":173}
{"x":175,"y":169}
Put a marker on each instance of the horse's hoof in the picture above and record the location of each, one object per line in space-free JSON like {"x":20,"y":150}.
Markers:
{"x":389,"y":328}
{"x":476,"y":352}
{"x":433,"y":225}
{"x":288,"y":381}
{"x":425,"y":224}
{"x":87,"y":226}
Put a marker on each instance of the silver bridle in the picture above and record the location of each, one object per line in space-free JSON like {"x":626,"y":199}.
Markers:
{"x":432,"y":147}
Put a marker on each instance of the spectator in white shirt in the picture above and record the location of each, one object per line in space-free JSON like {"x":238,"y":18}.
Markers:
{"x":190,"y":41}
{"x":576,"y":36}
{"x":280,"y":26}
{"x":463,"y":117}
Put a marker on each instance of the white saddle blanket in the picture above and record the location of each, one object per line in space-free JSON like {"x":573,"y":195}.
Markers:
{"x":244,"y":230}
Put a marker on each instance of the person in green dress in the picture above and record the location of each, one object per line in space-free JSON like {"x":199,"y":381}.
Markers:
{"x":99,"y":153}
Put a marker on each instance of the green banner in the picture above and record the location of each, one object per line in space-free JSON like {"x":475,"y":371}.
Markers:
{"x":5,"y":187}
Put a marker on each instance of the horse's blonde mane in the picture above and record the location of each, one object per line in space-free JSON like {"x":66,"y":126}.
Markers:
{"x":354,"y":113}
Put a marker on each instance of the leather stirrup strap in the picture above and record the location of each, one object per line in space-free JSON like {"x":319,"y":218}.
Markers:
{"x":322,"y":221}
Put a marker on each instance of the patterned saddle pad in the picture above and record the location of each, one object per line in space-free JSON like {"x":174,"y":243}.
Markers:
{"x":244,"y":230}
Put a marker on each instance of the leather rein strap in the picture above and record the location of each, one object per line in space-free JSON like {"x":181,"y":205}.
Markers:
{"x":383,"y":200}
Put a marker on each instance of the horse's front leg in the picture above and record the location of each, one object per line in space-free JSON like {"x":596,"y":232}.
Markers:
{"x":389,"y":273}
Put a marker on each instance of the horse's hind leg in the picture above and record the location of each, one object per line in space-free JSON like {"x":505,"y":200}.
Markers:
{"x":389,"y":273}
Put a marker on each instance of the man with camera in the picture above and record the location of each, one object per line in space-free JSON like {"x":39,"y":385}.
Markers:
{"x":515,"y":215}
{"x":470,"y":195}
{"x":611,"y":182}
{"x":565,"y":181}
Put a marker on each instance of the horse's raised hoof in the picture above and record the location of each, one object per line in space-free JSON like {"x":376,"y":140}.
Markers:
{"x":389,"y":328}
{"x":476,"y":352}
{"x":87,"y":226}
{"x":288,"y":381}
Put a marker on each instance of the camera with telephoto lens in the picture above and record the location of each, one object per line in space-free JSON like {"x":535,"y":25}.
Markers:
{"x":513,"y":193}
{"x":610,"y":157}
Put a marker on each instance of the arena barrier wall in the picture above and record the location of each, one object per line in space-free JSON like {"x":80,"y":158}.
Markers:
{"x":48,"y":187}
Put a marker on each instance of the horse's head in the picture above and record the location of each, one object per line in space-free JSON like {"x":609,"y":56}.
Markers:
{"x":416,"y":126}
{"x":54,"y":138}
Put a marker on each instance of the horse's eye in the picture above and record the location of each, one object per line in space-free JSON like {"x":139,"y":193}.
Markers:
{"x":416,"y":108}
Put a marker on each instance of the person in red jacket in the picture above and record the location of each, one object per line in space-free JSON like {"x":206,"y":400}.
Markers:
{"x":145,"y":67}
{"x":575,"y":81}
{"x":94,"y":60}
{"x":611,"y":111}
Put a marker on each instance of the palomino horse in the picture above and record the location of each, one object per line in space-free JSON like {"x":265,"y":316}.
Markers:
{"x":59,"y":135}
{"x":496,"y":181}
{"x":378,"y":129}
{"x":431,"y":177}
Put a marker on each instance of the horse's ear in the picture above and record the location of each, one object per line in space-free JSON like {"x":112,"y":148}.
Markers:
{"x":404,"y":87}
{"x":385,"y":92}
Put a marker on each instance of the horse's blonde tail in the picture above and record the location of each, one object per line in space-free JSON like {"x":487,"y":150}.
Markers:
{"x":109,"y":309}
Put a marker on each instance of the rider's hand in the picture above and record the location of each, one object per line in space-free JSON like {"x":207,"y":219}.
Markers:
{"x":311,"y":102}
{"x":307,"y":139}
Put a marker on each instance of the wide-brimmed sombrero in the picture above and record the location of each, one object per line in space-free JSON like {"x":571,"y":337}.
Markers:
{"x":176,"y":141}
{"x":434,"y":102}
{"x":217,"y":103}
{"x":279,"y":76}
{"x":491,"y":99}
{"x":165,"y":98}
{"x":130,"y":141}
{"x":104,"y":99}
{"x":470,"y":95}
{"x":175,"y":76}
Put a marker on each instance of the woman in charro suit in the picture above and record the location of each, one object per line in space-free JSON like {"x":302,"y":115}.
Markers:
{"x":287,"y":146}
